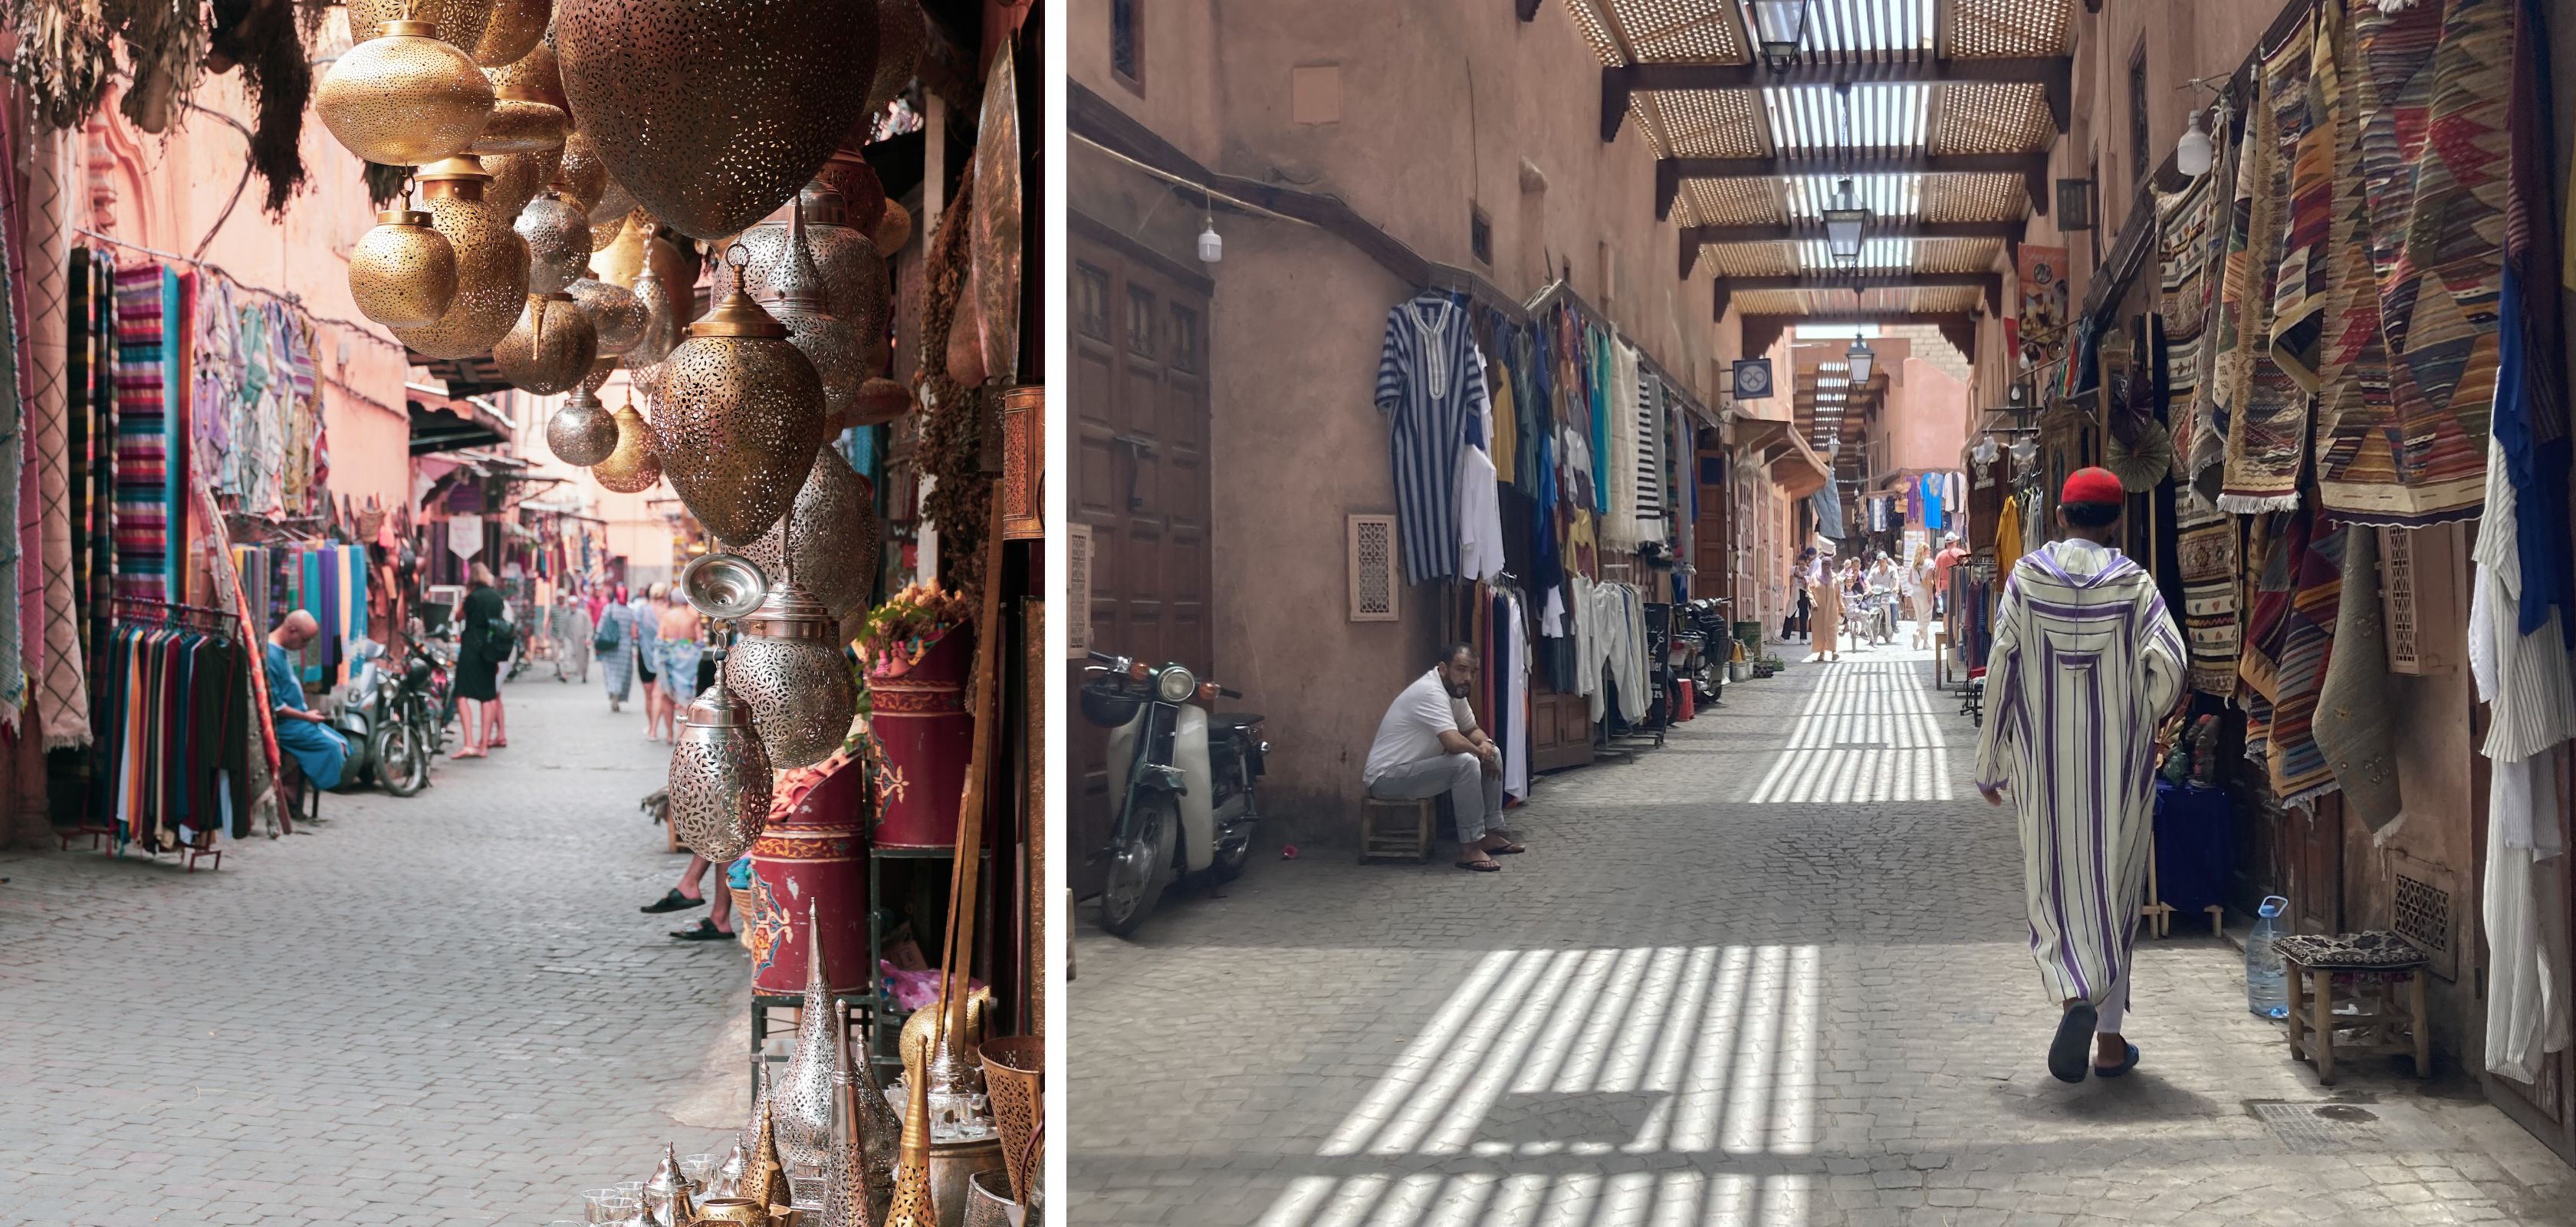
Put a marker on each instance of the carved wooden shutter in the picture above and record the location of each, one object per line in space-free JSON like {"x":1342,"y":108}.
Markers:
{"x":1371,"y":551}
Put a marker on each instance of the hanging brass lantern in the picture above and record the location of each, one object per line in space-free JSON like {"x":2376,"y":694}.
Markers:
{"x":491,"y":265}
{"x":600,"y":369}
{"x":551,"y":348}
{"x":902,"y":28}
{"x":863,"y":198}
{"x":637,"y":462}
{"x":740,"y":415}
{"x":641,"y":245}
{"x":460,"y":22}
{"x":516,"y":178}
{"x":834,"y":534}
{"x":404,"y":98}
{"x":614,"y":199}
{"x":403,"y":272}
{"x":788,"y":667}
{"x":585,"y":178}
{"x":532,"y":76}
{"x":581,"y":432}
{"x":713,"y":113}
{"x":515,"y":29}
{"x":606,"y":228}
{"x":522,"y":120}
{"x":801,"y":1102}
{"x":859,"y":292}
{"x":558,"y":238}
{"x":881,"y":400}
{"x":719,"y":778}
{"x":797,"y":298}
{"x":614,"y":312}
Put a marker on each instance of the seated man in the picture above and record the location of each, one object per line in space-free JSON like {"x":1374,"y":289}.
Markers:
{"x":318,"y":748}
{"x":1419,"y":753}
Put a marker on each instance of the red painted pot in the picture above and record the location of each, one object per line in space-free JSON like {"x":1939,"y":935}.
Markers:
{"x":812,"y":854}
{"x":920,"y":719}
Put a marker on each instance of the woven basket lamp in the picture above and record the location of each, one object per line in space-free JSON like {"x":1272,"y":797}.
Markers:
{"x":404,"y":97}
{"x":740,"y":414}
{"x":831,"y":539}
{"x":636,"y":462}
{"x":551,"y":348}
{"x":491,"y":264}
{"x":558,"y":235}
{"x":798,"y":297}
{"x":402,"y":273}
{"x":713,"y":112}
{"x":582,"y":432}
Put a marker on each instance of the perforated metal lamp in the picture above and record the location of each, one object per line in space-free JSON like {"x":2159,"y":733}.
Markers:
{"x":1862,"y":358}
{"x":1843,"y":225}
{"x":1779,"y":25}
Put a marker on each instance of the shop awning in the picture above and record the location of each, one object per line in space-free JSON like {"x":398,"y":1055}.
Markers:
{"x":445,"y":423}
{"x":475,"y":376}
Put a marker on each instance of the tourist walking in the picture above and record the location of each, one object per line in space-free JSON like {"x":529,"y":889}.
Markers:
{"x":646,"y":610}
{"x":569,"y":624}
{"x":678,"y":667}
{"x":614,"y":639}
{"x":2086,"y":662}
{"x":482,"y":644}
{"x":1824,"y":596}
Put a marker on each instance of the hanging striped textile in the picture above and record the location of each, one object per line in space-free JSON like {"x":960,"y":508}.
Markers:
{"x":1650,"y":462}
{"x":142,"y":513}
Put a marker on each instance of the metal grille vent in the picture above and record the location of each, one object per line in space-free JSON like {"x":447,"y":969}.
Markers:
{"x":2421,"y":911}
{"x":1371,"y":550}
{"x":1077,"y":589}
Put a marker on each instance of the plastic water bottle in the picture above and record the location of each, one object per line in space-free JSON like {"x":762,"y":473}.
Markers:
{"x":2267,"y":990}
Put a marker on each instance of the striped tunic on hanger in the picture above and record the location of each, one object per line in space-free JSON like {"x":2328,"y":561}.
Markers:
{"x":1430,"y":387}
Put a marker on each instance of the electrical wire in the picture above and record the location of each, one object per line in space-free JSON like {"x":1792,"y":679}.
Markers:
{"x":288,"y":297}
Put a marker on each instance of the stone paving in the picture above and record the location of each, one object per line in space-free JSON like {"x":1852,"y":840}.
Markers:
{"x":436,"y":1010}
{"x":1774,"y":972}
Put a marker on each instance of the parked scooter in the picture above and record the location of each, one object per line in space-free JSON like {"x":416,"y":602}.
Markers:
{"x":1183,"y":782}
{"x":384,"y":748}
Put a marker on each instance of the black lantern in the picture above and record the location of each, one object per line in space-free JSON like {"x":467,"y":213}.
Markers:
{"x":1843,"y":224}
{"x":1779,"y":25}
{"x":1861,"y":357}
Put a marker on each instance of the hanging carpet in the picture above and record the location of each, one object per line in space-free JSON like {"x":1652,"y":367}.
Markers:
{"x":2267,"y":423}
{"x":2354,"y":703}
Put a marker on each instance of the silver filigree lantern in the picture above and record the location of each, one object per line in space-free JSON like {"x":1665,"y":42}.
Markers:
{"x":859,"y":291}
{"x":558,"y":235}
{"x":797,"y":296}
{"x":614,"y":311}
{"x":581,"y":432}
{"x":720,"y":773}
{"x":662,"y":328}
{"x":788,"y":666}
{"x":867,"y":1143}
{"x":802,"y":1100}
{"x":832,"y":533}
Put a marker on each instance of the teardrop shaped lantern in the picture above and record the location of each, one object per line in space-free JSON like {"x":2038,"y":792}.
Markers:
{"x":491,"y":264}
{"x":550,"y":349}
{"x":832,"y":535}
{"x":584,"y":178}
{"x":403,"y":272}
{"x":606,"y":229}
{"x":514,"y":30}
{"x":788,"y":666}
{"x":522,"y":121}
{"x":614,"y":312}
{"x":797,"y":298}
{"x":661,"y":329}
{"x":881,"y":400}
{"x":460,"y":22}
{"x":740,"y":415}
{"x":637,"y":461}
{"x":802,"y":1098}
{"x":719,"y":778}
{"x":405,"y":97}
{"x":712,"y":112}
{"x":581,"y":432}
{"x":558,"y":236}
{"x":858,"y":291}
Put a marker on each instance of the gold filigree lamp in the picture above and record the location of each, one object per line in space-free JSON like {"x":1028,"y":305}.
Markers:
{"x":402,"y":273}
{"x":550,"y":349}
{"x":740,"y":415}
{"x":404,"y":97}
{"x":491,"y":264}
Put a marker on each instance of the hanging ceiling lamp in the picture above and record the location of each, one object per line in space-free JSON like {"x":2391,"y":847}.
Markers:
{"x":713,"y":114}
{"x":558,"y":236}
{"x":516,"y":178}
{"x":404,"y":97}
{"x":858,"y":291}
{"x":788,"y":667}
{"x":797,"y":298}
{"x":1861,"y":358}
{"x":607,"y":228}
{"x":551,"y":347}
{"x":514,"y":30}
{"x":520,"y":124}
{"x":2193,"y":152}
{"x":894,"y":229}
{"x":1843,"y":225}
{"x":902,"y":30}
{"x":585,"y":177}
{"x":614,"y":312}
{"x":636,"y":463}
{"x":832,"y":538}
{"x":720,"y":777}
{"x":460,"y":22}
{"x":491,"y":264}
{"x":881,"y":400}
{"x":740,"y":415}
{"x":402,"y":273}
{"x":581,"y":432}
{"x":1779,"y":26}
{"x":661,"y":330}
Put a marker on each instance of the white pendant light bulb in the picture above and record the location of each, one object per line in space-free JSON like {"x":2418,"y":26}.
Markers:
{"x":1211,"y":247}
{"x":2192,"y":153}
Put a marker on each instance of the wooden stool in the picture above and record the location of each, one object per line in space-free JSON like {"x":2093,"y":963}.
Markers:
{"x":2381,"y":972}
{"x":1398,"y":828}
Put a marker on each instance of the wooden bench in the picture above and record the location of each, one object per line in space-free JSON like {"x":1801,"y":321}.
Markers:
{"x":1390,"y":829}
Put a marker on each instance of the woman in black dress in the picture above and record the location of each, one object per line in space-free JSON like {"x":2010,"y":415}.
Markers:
{"x":482,"y":643}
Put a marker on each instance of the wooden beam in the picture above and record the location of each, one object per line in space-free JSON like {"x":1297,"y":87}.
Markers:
{"x":1864,"y":281}
{"x":2034,"y":165}
{"x":2053,"y":74}
{"x":1959,"y":328}
{"x":1902,"y":228}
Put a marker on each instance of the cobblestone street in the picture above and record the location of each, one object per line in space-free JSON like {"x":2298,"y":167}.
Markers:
{"x":439,"y":1010}
{"x":1775,"y":972}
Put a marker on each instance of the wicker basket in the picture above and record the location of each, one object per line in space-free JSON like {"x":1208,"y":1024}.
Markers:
{"x":746,"y":913}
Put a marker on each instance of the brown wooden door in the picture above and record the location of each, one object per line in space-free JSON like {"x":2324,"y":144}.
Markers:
{"x":1713,"y":537}
{"x":1139,"y":437}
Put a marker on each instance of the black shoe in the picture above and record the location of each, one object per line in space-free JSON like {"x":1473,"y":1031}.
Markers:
{"x":705,"y":932}
{"x":671,"y":902}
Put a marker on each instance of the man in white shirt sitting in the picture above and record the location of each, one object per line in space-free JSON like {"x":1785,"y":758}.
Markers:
{"x":1421,"y":752}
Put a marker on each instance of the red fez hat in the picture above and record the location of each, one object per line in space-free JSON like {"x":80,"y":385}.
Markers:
{"x":2092,"y":485}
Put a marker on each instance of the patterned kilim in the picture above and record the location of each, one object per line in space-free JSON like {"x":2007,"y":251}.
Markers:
{"x":2183,"y":222}
{"x":2267,"y":427}
{"x":2205,"y":560}
{"x":143,"y":293}
{"x":2352,"y":392}
{"x":2270,"y":545}
{"x":2300,"y":771}
{"x":2428,"y":86}
{"x":2305,"y":111}
{"x":2203,"y":452}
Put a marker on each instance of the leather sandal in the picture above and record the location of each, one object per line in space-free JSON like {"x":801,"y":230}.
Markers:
{"x":1484,"y":866}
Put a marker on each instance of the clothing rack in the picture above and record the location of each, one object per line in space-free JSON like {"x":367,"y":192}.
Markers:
{"x":224,"y":619}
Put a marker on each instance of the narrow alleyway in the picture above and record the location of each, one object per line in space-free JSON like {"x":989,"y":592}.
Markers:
{"x":432,"y":1011}
{"x":1772,"y":973}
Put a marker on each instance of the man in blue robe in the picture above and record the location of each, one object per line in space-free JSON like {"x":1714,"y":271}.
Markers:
{"x":318,"y":748}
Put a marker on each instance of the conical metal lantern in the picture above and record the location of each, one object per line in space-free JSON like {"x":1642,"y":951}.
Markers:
{"x":615,"y":313}
{"x":585,"y":177}
{"x":801,"y":1102}
{"x":404,"y":98}
{"x":911,"y":1204}
{"x":636,"y":463}
{"x":558,"y":235}
{"x":747,"y":1143}
{"x":881,"y":400}
{"x":858,"y":291}
{"x":403,"y":272}
{"x":491,"y":264}
{"x":712,"y":112}
{"x":581,"y":432}
{"x":788,"y":667}
{"x":867,"y":1142}
{"x":517,"y":177}
{"x":551,"y":348}
{"x":720,"y":777}
{"x":514,"y":30}
{"x":460,"y":22}
{"x":796,"y":295}
{"x":830,"y":540}
{"x":740,"y":415}
{"x":766,"y":1180}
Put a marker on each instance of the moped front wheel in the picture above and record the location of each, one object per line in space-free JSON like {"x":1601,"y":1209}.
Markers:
{"x":1141,"y":867}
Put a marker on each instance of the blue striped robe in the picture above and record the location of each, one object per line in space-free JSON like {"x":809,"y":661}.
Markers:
{"x":2086,"y":662}
{"x":1430,"y":386}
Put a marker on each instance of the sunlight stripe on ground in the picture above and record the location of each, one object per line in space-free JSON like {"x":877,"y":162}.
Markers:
{"x":1870,"y":731}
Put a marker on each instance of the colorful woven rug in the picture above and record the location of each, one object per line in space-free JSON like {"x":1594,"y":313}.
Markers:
{"x":2203,"y":451}
{"x":2428,"y":85}
{"x":2183,"y":222}
{"x":2267,"y":427}
{"x":143,"y":294}
{"x":2305,"y":110}
{"x":2299,"y":769}
{"x":2205,"y":560}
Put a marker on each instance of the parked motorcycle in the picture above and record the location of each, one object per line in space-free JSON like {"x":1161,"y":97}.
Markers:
{"x":1716,"y":645}
{"x":384,"y":748}
{"x":1183,"y":782}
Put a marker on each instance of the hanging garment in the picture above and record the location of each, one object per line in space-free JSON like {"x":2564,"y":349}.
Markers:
{"x":1430,"y":390}
{"x":1480,"y":517}
{"x":1516,"y":672}
{"x":142,"y":521}
{"x":2205,"y":562}
{"x":1649,"y":525}
{"x":13,"y":420}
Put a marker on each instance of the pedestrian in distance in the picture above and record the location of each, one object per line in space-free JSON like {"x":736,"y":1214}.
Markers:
{"x":2086,"y":662}
{"x":483,"y":643}
{"x":614,"y":640}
